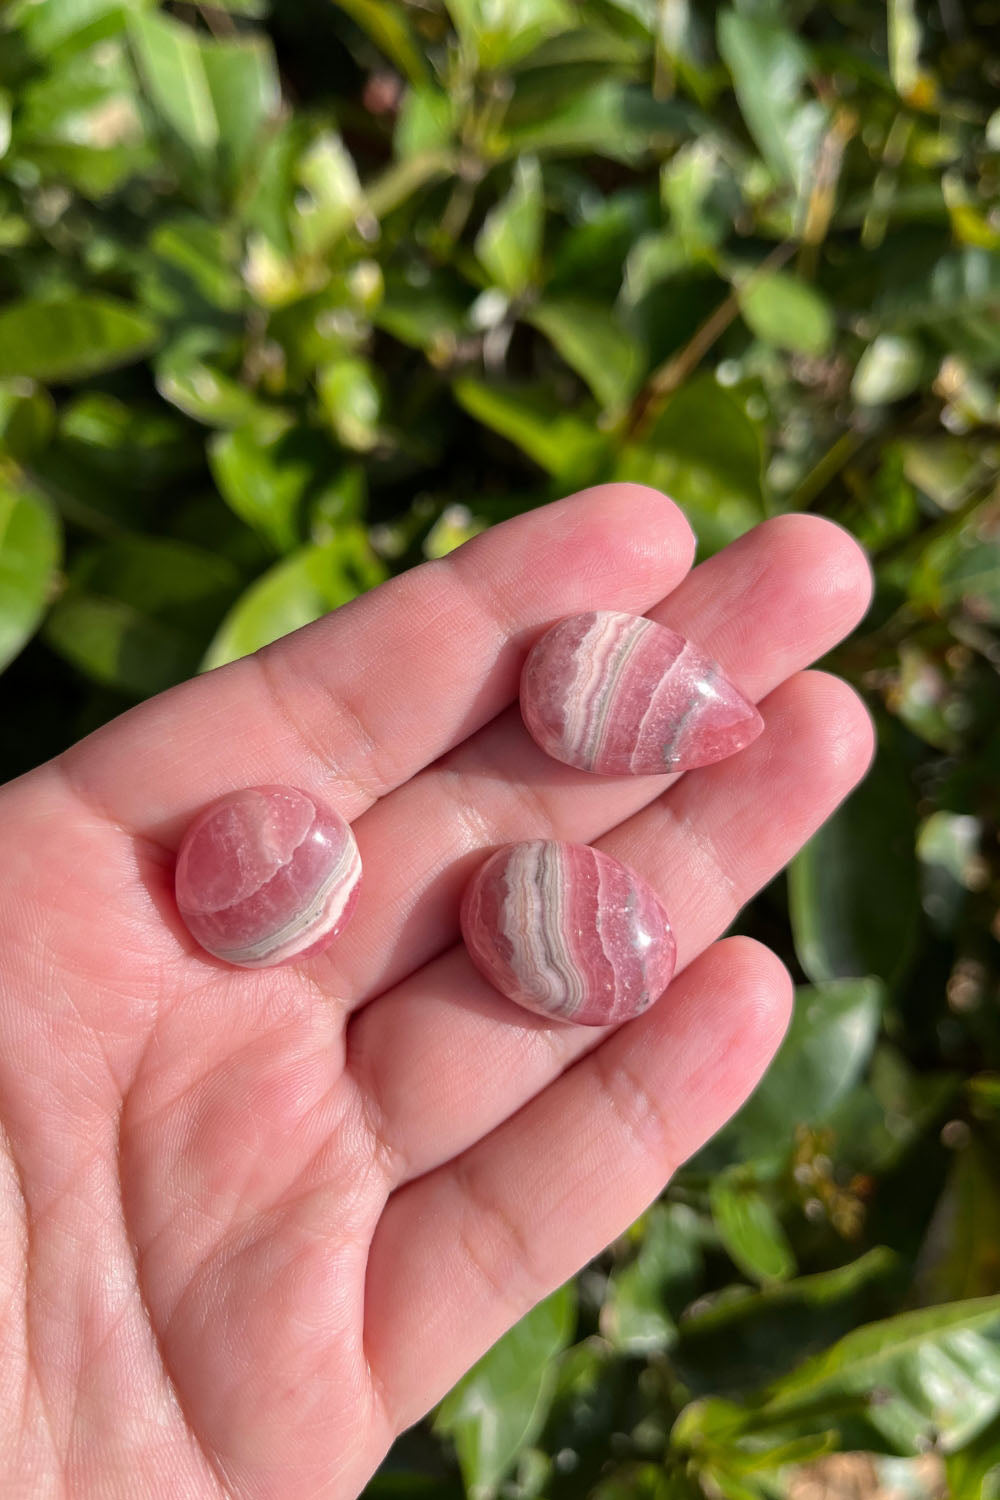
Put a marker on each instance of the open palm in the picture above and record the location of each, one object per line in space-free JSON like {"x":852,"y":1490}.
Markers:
{"x":254,"y":1223}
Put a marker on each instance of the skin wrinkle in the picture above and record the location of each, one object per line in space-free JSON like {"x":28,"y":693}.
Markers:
{"x":236,"y":1225}
{"x":517,"y":1253}
{"x":281,"y":694}
{"x":116,"y":1326}
{"x":637,"y":1110}
{"x":475,"y":830}
{"x":391,"y":1153}
{"x":24,"y":1222}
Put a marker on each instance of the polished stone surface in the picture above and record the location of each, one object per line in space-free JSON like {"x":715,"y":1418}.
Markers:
{"x":266,"y":875}
{"x":622,"y":696}
{"x":569,"y":932}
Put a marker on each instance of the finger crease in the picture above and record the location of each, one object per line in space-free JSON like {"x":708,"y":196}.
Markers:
{"x":496,"y":1270}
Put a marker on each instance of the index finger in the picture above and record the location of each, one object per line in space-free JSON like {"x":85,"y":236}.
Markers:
{"x":356,"y":703}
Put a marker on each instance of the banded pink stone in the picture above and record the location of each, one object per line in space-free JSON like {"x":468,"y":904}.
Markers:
{"x":622,"y":696}
{"x":568,"y":932}
{"x":266,"y":875}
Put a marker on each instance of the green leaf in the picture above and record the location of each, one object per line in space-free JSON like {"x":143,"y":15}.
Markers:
{"x":967,"y":1469}
{"x":948,"y":850}
{"x":455,"y":526}
{"x":27,"y":417}
{"x":645,"y":1296}
{"x":427,"y":311}
{"x":904,"y":46}
{"x":242,"y":78}
{"x":736,"y":1340}
{"x":971,"y":575}
{"x":296,"y":591}
{"x":71,"y":337}
{"x":961,"y":1252}
{"x":828,"y":1043}
{"x":169,"y":62}
{"x":131,"y":446}
{"x":750,"y":1230}
{"x":705,"y":452}
{"x":687,"y":185}
{"x":853,"y":890}
{"x":497,"y":33}
{"x":890,"y":368}
{"x":885,"y":511}
{"x":212,"y":99}
{"x":509,"y":244}
{"x":610,"y":117}
{"x":138,"y":612}
{"x":769,"y":68}
{"x":962,"y":284}
{"x":191,"y":273}
{"x":533,"y":418}
{"x":932,"y":1375}
{"x":330,"y":197}
{"x":786,"y":312}
{"x":498,"y":1408}
{"x":30,"y":546}
{"x":49,"y":25}
{"x":386,"y":24}
{"x":265,"y":473}
{"x":594,"y":342}
{"x":351,"y":398}
{"x":208,"y":395}
{"x":426,"y":122}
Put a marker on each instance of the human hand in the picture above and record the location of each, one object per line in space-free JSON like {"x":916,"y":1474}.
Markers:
{"x":255,"y":1223}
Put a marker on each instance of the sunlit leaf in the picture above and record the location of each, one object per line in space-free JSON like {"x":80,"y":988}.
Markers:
{"x":706,"y":453}
{"x":27,"y":417}
{"x":594,"y":342}
{"x":904,"y":45}
{"x":788,"y":313}
{"x":70,"y":337}
{"x":426,"y":121}
{"x":50,"y":26}
{"x":388,"y":28}
{"x":499,"y":32}
{"x":351,"y":399}
{"x":890,"y":368}
{"x":265,"y":472}
{"x":30,"y":546}
{"x":137,"y":610}
{"x":827,"y":1045}
{"x":562,"y":442}
{"x":609,"y":117}
{"x":749,"y":1229}
{"x":294,"y":592}
{"x":770,"y":67}
{"x":853,"y":889}
{"x":499,"y":1406}
{"x":645,"y":1297}
{"x":510,"y":241}
{"x":206,"y":393}
{"x":740,"y":1338}
{"x":211,"y":98}
{"x":936,"y":1372}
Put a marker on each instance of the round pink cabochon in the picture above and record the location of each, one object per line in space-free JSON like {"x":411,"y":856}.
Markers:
{"x":267,"y":874}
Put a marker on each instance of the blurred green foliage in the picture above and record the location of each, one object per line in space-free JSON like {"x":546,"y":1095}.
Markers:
{"x":293,"y":298}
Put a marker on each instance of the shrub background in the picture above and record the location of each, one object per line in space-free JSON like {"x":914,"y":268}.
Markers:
{"x":293,"y":297}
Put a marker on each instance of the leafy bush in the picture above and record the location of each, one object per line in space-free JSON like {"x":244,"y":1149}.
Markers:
{"x":290,"y":302}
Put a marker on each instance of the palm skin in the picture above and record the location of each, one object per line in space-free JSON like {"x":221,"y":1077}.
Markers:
{"x":256,"y":1223}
